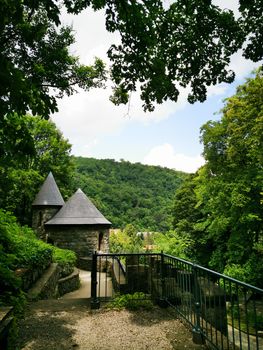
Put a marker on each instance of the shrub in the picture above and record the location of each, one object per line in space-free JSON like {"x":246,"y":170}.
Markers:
{"x":66,"y":260}
{"x":132,"y":302}
{"x":19,"y":248}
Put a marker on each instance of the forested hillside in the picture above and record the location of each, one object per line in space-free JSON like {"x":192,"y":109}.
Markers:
{"x":220,"y":208}
{"x":130,"y":193}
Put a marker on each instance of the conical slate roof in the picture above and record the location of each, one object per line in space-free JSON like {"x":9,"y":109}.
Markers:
{"x":78,"y":210}
{"x":49,"y":193}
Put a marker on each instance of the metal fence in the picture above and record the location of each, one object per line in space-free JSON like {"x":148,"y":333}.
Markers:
{"x":223,"y":312}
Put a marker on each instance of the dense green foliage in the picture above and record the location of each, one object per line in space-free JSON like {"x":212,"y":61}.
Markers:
{"x":65,"y":258}
{"x":22,"y":171}
{"x":172,"y":243}
{"x":130,"y":193}
{"x":136,"y":301}
{"x":19,"y":248}
{"x":129,"y":240}
{"x":220,"y":207}
{"x":35,"y":64}
{"x":126,"y":241}
{"x":162,"y":48}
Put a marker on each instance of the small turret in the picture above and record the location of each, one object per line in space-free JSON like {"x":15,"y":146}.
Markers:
{"x":47,"y":203}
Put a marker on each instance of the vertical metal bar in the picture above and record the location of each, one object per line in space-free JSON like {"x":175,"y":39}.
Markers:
{"x":225,"y":293}
{"x":232,"y":301}
{"x":163,"y":300}
{"x":246,"y":319}
{"x":215,"y":316}
{"x":191,"y":306}
{"x":106,"y":278}
{"x":95,"y":303}
{"x":209,"y":307}
{"x":221,"y":307}
{"x":197,"y":335}
{"x":137,"y":283}
{"x":256,"y":322}
{"x":99,"y":272}
{"x":239,"y":317}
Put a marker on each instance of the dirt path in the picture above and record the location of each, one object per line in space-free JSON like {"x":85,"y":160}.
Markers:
{"x":70,"y":324}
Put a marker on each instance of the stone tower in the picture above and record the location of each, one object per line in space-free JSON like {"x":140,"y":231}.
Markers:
{"x":79,"y":226}
{"x":47,"y":203}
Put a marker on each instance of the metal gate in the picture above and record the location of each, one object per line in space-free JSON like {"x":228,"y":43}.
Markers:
{"x":226,"y":313}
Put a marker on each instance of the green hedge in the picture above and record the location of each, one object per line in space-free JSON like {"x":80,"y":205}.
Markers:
{"x":66,"y":260}
{"x":19,"y":248}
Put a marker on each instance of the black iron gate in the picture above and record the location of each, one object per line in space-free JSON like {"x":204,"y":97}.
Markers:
{"x":227,"y":313}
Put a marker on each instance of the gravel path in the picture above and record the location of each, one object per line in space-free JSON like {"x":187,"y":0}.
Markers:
{"x":70,"y":324}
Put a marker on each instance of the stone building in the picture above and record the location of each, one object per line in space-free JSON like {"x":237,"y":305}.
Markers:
{"x":77,"y":224}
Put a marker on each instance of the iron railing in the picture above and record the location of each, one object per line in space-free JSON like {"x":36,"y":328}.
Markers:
{"x":222,"y":311}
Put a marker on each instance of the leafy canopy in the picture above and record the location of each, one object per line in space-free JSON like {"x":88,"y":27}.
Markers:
{"x":221,"y":206}
{"x":188,"y":43}
{"x":35,"y":64}
{"x":23,"y":169}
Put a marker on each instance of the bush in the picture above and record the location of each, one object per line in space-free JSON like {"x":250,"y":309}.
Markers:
{"x":66,"y":260}
{"x":132,"y":302}
{"x":19,"y":248}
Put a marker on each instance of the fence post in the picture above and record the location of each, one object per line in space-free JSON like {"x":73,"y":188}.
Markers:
{"x":162,"y":302}
{"x":95,"y":303}
{"x":197,"y":334}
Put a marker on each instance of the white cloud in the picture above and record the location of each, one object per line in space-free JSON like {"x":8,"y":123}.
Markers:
{"x":228,"y":4}
{"x":218,"y":89}
{"x":87,"y":117}
{"x":241,"y":66}
{"x":165,"y":156}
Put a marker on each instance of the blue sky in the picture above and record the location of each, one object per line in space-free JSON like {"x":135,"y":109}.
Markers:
{"x":168,"y":137}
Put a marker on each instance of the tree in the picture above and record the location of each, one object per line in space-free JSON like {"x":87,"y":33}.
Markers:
{"x":230,"y":184}
{"x":35,"y":64}
{"x":187,"y":214}
{"x":220,"y":207}
{"x":126,"y":241}
{"x":23,"y":172}
{"x":129,"y":193}
{"x":187,"y":44}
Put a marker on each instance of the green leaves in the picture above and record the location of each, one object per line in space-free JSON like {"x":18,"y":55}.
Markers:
{"x":31,"y":148}
{"x":162,"y":48}
{"x":186,"y":44}
{"x":129,"y":193}
{"x":221,"y":205}
{"x":35,"y":64}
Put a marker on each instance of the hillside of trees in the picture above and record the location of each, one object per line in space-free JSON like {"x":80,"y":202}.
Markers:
{"x":213,"y":217}
{"x":220,"y":208}
{"x":128,"y":193}
{"x":218,"y":211}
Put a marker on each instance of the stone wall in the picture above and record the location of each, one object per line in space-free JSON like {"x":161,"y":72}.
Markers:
{"x":46,"y":285}
{"x":83,"y":240}
{"x":50,"y":285}
{"x":41,"y":214}
{"x":69,"y":283}
{"x":30,"y":276}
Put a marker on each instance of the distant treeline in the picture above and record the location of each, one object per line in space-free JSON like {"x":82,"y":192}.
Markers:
{"x":130,"y":193}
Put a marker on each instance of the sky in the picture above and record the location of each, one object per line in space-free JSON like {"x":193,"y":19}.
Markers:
{"x":169,"y":136}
